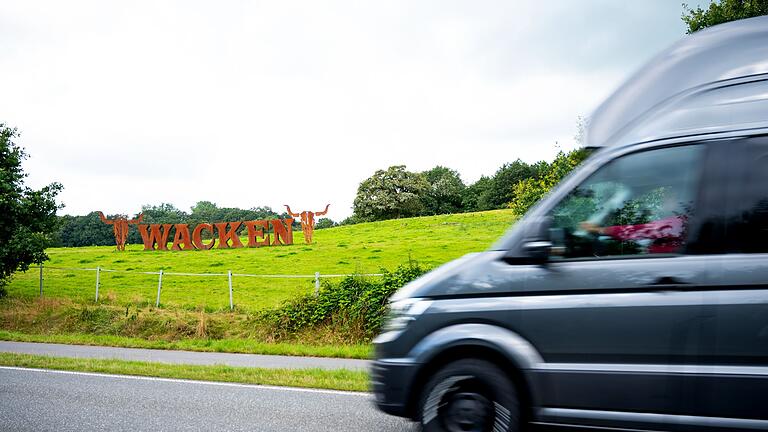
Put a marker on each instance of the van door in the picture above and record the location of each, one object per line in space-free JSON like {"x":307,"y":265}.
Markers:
{"x":618,"y":308}
{"x":734,"y":369}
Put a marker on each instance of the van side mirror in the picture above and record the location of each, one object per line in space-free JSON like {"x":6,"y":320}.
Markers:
{"x":536,"y":244}
{"x":537,"y":250}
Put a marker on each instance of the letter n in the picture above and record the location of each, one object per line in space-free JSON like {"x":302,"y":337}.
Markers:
{"x":282,"y":234}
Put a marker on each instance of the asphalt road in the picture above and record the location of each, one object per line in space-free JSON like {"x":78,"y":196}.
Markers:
{"x":182,"y":357}
{"x":38,"y":400}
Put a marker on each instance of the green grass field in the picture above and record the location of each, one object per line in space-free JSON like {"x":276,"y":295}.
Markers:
{"x":363,"y":248}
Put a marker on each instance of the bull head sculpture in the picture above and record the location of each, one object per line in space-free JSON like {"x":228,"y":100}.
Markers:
{"x":307,"y":221}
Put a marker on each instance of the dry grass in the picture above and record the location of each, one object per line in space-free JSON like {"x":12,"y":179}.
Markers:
{"x":202,"y":326}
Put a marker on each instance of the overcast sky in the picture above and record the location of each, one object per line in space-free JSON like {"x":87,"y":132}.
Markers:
{"x":248,"y":103}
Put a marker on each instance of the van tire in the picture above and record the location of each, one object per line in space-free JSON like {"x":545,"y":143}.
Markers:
{"x":469,"y":395}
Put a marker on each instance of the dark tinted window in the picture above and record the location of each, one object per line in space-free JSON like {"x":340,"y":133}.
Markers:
{"x":746,"y":219}
{"x":638,"y":204}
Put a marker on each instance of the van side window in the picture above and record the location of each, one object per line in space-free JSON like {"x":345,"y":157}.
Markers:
{"x":746,"y":224}
{"x":637,"y":204}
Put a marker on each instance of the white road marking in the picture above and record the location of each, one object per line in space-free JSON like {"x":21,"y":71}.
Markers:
{"x":184,"y":381}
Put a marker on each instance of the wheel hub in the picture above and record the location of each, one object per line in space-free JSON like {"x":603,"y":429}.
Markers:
{"x":468,"y":412}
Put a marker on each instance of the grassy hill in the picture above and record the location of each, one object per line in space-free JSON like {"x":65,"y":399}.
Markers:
{"x":363,"y":248}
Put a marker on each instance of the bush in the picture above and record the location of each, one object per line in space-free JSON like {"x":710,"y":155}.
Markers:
{"x":355,"y":304}
{"x":323,"y":223}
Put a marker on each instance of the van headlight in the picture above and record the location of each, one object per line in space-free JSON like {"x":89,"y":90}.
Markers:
{"x":402,"y":312}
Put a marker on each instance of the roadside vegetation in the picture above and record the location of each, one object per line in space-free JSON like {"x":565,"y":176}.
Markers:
{"x":338,"y":322}
{"x":347,"y":380}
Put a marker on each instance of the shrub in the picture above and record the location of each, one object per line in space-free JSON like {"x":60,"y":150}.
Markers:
{"x":355,"y":304}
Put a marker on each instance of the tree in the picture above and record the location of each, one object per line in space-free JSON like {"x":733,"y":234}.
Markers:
{"x":27,"y":217}
{"x":164,"y":213}
{"x":530,"y":190}
{"x":445,"y":191}
{"x":722,"y":12}
{"x":325,"y":223}
{"x":474,"y":197}
{"x":86,"y":230}
{"x":390,"y":194}
{"x":500,"y":191}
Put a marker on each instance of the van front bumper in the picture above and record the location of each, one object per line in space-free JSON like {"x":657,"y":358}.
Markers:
{"x":391,"y":382}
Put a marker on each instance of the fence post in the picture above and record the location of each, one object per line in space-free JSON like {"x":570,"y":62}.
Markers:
{"x":317,"y":283}
{"x":98,"y":276}
{"x":159,"y":287}
{"x":231,"y":306}
{"x":41,"y":279}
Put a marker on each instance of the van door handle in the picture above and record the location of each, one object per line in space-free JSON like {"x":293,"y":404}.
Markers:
{"x":668,"y":282}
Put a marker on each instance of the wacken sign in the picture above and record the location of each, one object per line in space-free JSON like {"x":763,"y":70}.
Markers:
{"x":156,"y":236}
{"x":224,"y":235}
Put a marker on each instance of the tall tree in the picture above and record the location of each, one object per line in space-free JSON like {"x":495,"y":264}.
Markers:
{"x":27,"y":217}
{"x":391,"y":194}
{"x":500,"y":191}
{"x":445,"y":191}
{"x":722,"y":11}
{"x":474,"y":197}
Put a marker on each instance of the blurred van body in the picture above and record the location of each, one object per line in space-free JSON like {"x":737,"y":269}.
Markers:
{"x":635,"y":295}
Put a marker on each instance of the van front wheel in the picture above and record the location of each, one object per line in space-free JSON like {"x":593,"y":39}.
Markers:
{"x":470,"y":395}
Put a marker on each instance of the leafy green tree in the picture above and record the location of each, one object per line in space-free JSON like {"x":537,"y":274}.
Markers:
{"x":530,"y":190}
{"x":325,"y":223}
{"x":501,"y":189}
{"x":86,"y":230}
{"x":206,"y":211}
{"x":163,"y":213}
{"x":722,"y":11}
{"x":474,"y":197}
{"x":351,"y":220}
{"x":445,"y":191}
{"x":391,"y":194}
{"x":27,"y":217}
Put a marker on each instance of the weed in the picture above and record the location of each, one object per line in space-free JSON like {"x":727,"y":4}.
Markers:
{"x":202,"y":327}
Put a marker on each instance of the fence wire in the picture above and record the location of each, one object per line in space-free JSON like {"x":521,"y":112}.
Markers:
{"x":98,"y":270}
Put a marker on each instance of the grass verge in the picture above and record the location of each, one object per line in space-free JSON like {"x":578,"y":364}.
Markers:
{"x":308,"y":378}
{"x":204,"y":345}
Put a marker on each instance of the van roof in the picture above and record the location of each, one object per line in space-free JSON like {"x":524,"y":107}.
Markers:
{"x":712,"y":80}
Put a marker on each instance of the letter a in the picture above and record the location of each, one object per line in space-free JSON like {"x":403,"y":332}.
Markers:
{"x":182,"y":236}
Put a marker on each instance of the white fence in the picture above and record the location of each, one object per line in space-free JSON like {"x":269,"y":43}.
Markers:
{"x":229,"y":275}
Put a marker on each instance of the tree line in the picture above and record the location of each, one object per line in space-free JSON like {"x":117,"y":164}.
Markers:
{"x":387,"y":194}
{"x":396,"y":192}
